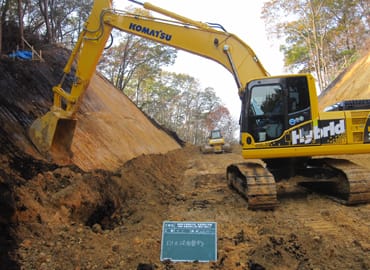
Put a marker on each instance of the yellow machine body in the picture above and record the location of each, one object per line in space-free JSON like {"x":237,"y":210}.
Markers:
{"x":297,"y":128}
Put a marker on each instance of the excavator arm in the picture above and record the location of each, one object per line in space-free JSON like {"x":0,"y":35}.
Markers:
{"x":206,"y":40}
{"x":55,"y":129}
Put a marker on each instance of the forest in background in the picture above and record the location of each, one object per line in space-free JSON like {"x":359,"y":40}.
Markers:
{"x":321,"y":37}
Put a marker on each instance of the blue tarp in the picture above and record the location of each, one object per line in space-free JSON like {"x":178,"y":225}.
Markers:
{"x":25,"y":55}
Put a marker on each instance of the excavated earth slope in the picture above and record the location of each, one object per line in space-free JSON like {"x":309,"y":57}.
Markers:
{"x":353,"y":83}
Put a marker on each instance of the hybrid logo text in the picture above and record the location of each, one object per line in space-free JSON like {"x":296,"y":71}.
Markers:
{"x":307,"y":136}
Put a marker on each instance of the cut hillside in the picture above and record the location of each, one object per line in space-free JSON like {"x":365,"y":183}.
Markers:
{"x":352,"y":83}
{"x":110,"y":128}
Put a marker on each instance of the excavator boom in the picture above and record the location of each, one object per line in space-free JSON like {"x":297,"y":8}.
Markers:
{"x":55,"y":129}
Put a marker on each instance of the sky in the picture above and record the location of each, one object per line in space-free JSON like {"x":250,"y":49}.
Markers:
{"x":239,"y":17}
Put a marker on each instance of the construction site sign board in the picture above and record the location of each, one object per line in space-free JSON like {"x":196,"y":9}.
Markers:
{"x":189,"y":241}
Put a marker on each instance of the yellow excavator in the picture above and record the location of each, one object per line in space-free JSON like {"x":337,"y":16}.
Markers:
{"x":280,"y":123}
{"x":216,"y":143}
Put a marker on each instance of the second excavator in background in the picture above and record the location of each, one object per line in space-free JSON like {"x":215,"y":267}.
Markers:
{"x":216,"y":143}
{"x":280,"y":122}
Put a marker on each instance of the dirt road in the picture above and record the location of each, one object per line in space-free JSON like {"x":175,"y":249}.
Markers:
{"x":67,"y":219}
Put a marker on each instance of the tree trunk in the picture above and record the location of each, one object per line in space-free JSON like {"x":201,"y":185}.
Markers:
{"x":1,"y":35}
{"x":4,"y":10}
{"x":44,"y":9}
{"x":21,"y":27}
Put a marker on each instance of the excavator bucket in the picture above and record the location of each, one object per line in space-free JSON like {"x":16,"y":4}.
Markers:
{"x":53,"y":133}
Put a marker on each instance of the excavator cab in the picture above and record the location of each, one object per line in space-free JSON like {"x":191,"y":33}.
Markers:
{"x":215,"y":134}
{"x":273,"y":106}
{"x":280,"y":119}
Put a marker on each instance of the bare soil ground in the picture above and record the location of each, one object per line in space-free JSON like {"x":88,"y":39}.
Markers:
{"x":68,"y":219}
{"x":55,"y":216}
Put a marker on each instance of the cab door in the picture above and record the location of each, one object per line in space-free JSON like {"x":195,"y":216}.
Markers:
{"x":273,"y":105}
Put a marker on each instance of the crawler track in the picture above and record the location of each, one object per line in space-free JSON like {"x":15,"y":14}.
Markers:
{"x":342,"y":180}
{"x":255,"y":183}
{"x":354,"y":186}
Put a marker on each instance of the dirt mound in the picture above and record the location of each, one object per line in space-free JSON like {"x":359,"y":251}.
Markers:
{"x":352,"y":83}
{"x":59,"y":217}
